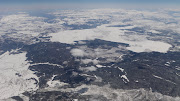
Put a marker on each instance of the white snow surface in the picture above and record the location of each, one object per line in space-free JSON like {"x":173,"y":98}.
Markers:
{"x":24,"y":24}
{"x":10,"y":83}
{"x":137,"y":43}
{"x":125,"y":79}
{"x":55,"y":83}
{"x":23,"y":27}
{"x":137,"y":19}
{"x":121,"y":69}
{"x":164,"y":79}
{"x":100,"y":66}
{"x":122,"y":95}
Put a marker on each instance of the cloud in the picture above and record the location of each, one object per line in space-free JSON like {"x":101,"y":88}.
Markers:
{"x":87,"y":61}
{"x":88,"y":69}
{"x":98,"y":55}
{"x":78,"y":53}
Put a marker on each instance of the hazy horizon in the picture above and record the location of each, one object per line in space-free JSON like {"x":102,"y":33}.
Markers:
{"x":33,"y":4}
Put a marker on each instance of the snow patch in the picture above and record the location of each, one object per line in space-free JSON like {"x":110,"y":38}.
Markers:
{"x":148,"y":46}
{"x":125,"y":79}
{"x":164,"y":79}
{"x":100,"y":66}
{"x":15,"y":78}
{"x":121,"y":69}
{"x":55,"y":83}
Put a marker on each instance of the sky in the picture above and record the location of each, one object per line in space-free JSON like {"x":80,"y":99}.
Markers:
{"x":90,"y":1}
{"x":150,"y":3}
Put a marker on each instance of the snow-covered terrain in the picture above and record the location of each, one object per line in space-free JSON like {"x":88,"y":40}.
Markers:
{"x":120,"y":23}
{"x":15,"y":77}
{"x":106,"y":54}
{"x":140,"y":44}
{"x":55,"y":83}
{"x":139,"y":23}
{"x":122,"y":95}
